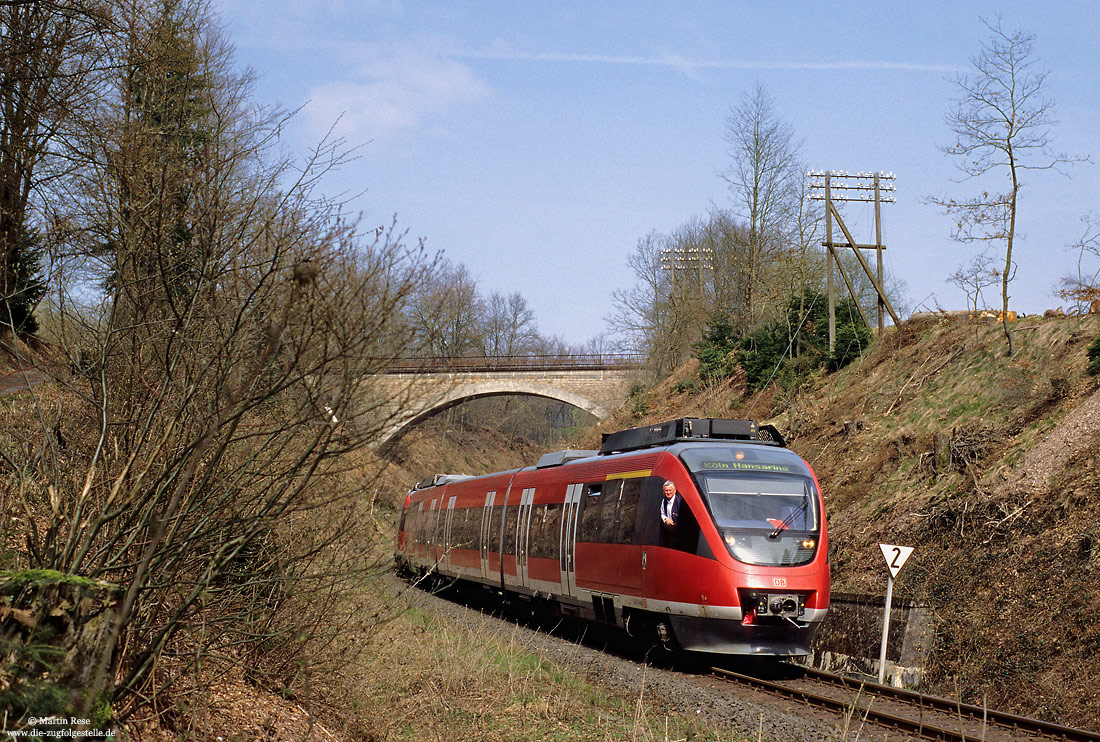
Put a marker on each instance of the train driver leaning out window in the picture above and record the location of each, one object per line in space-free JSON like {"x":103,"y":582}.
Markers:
{"x":670,"y":507}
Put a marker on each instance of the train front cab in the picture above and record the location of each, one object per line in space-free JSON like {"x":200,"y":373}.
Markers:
{"x":756,"y":578}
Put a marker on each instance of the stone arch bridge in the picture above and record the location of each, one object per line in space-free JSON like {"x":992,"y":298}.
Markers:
{"x":412,"y":390}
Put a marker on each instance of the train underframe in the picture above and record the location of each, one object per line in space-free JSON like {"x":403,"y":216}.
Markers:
{"x":713,"y":630}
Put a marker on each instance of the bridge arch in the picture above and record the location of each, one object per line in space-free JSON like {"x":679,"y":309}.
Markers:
{"x":487,"y":388}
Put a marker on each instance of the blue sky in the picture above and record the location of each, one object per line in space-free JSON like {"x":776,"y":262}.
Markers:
{"x":538,"y":142}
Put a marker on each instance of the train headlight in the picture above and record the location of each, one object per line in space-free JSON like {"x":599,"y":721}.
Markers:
{"x":808,"y":543}
{"x":730,"y":539}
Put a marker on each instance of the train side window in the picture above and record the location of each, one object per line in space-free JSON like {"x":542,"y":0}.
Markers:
{"x":510,"y":520}
{"x":628,"y":510}
{"x":540,"y":540}
{"x":648,"y":525}
{"x":609,"y":511}
{"x":685,"y":537}
{"x":494,"y":528}
{"x":590,"y":513}
{"x":553,"y":530}
{"x":534,"y":529}
{"x":468,"y":534}
{"x":546,"y":539}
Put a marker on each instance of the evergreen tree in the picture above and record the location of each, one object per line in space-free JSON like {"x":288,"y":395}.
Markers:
{"x":28,"y":286}
{"x":167,"y":103}
{"x":794,"y":345}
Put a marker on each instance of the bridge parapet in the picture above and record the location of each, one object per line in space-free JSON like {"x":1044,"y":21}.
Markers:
{"x":556,"y":362}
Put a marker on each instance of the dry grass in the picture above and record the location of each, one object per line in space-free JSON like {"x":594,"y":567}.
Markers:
{"x":425,"y":677}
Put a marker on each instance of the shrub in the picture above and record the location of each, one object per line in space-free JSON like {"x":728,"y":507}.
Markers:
{"x":686,"y":386}
{"x":789,"y":348}
{"x":639,"y":400}
{"x":715,"y":350}
{"x":1094,"y":357}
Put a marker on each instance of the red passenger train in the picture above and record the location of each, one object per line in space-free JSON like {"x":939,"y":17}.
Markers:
{"x":744,"y":570}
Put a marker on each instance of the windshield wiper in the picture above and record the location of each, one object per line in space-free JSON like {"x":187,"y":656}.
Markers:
{"x":785,"y":524}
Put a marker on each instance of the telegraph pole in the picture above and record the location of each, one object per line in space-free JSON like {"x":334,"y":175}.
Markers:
{"x":841,"y":186}
{"x":829,"y":258}
{"x":687,"y":261}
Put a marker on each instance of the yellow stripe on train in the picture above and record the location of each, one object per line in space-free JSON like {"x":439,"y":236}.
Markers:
{"x":629,"y":474}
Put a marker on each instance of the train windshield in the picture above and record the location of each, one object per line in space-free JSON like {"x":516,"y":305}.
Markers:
{"x":763,"y":502}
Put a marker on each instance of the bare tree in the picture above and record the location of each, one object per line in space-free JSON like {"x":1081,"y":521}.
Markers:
{"x":508,"y":327}
{"x":1002,"y":123}
{"x":1084,"y":288}
{"x":645,"y":313}
{"x":50,"y":54}
{"x":446,"y":312}
{"x":805,"y":266}
{"x":217,"y":383}
{"x":973,"y":278}
{"x":763,"y":178}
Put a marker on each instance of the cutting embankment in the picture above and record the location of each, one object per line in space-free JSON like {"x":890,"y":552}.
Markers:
{"x":988,"y":465}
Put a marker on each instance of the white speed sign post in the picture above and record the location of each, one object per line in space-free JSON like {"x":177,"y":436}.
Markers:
{"x":895,"y":560}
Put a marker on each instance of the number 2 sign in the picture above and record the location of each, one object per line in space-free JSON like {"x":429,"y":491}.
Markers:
{"x":895,"y":557}
{"x":895,"y":560}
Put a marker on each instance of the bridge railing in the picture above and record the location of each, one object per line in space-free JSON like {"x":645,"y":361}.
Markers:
{"x":469,"y":364}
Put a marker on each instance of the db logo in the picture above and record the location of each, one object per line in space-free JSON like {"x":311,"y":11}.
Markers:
{"x":780,"y":582}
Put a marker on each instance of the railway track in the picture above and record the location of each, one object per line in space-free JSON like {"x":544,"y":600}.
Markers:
{"x":922,"y":716}
{"x":865,"y":710}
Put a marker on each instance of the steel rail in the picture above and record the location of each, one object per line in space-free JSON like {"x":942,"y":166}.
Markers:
{"x":1002,"y":719}
{"x":922,"y":727}
{"x":919,"y":727}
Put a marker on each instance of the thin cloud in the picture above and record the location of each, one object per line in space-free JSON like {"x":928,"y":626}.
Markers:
{"x":681,"y":63}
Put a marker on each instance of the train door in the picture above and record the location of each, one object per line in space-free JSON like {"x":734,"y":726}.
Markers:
{"x":433,"y":534}
{"x":522,"y":531}
{"x":418,"y":532}
{"x":445,"y":557}
{"x":486,"y":532}
{"x":568,"y":538}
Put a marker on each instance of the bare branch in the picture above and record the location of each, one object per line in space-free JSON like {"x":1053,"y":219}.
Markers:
{"x":1002,"y":122}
